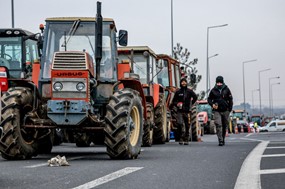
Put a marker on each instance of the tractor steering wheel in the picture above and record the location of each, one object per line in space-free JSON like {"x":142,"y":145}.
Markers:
{"x":9,"y":56}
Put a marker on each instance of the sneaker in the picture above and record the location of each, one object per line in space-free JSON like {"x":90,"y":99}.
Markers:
{"x":186,"y":143}
{"x":221,"y":143}
{"x":181,"y":142}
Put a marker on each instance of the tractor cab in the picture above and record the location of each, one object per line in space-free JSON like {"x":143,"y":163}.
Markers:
{"x":18,"y":52}
{"x":77,"y":35}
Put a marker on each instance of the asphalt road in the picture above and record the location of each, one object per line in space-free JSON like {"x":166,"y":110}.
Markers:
{"x":246,"y":161}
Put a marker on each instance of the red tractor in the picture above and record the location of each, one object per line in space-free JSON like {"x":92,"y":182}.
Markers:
{"x":169,"y":77}
{"x":78,"y":92}
{"x":205,"y":117}
{"x":143,"y":62}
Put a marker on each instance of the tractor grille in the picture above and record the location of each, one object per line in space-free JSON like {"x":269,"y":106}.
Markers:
{"x":70,"y":61}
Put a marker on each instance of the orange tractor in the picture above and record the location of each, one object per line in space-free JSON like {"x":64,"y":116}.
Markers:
{"x":169,"y":77}
{"x":78,"y":92}
{"x":143,"y":61}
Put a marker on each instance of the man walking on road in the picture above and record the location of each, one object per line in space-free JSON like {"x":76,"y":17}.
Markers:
{"x":183,"y":99}
{"x":221,"y":100}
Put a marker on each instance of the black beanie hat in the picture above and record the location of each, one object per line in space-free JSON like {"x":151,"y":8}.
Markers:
{"x":220,"y":79}
{"x":183,"y":79}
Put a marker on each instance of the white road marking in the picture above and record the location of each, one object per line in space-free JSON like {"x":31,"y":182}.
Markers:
{"x":252,"y":139}
{"x":249,"y":176}
{"x":272,"y":171}
{"x":108,"y":178}
{"x":274,"y":155}
{"x":276,"y":147}
{"x":248,"y":135}
{"x":46,"y":164}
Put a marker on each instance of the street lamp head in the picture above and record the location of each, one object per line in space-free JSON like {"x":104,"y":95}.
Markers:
{"x":265,"y":70}
{"x":249,"y":61}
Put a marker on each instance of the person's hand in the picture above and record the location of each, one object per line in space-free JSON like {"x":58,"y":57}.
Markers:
{"x":215,"y":106}
{"x":179,"y":105}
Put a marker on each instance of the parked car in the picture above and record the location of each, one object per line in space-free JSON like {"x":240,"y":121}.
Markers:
{"x":275,"y":125}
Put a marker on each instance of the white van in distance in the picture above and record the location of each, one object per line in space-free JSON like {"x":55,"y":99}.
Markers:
{"x":275,"y":125}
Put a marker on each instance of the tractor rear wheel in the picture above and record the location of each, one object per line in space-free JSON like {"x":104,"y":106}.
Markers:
{"x":194,"y":125}
{"x":18,"y":142}
{"x":148,"y":126}
{"x":160,"y":129}
{"x":212,"y":127}
{"x":124,"y":125}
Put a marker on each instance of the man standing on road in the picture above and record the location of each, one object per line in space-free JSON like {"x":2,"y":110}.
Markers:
{"x":221,"y":100}
{"x":183,"y":99}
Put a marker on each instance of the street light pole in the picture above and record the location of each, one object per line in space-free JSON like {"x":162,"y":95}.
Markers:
{"x":260,"y":87}
{"x":207,"y":66}
{"x":270,"y":97}
{"x":12,"y":7}
{"x":272,"y":113}
{"x":210,"y":69}
{"x":248,"y":61}
{"x":172,"y":28}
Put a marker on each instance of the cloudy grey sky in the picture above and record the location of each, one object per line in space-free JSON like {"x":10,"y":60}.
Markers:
{"x":256,"y":30}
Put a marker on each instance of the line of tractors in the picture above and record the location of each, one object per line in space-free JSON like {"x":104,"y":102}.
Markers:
{"x":84,"y":89}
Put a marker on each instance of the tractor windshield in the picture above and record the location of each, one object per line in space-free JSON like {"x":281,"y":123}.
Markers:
{"x":11,"y":54}
{"x":78,"y":36}
{"x":163,"y":74}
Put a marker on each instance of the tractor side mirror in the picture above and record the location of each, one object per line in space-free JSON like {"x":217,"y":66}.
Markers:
{"x":123,"y":37}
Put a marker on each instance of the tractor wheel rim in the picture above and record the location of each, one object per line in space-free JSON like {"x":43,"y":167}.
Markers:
{"x":134,"y":134}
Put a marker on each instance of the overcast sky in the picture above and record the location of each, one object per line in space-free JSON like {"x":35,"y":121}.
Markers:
{"x":256,"y":30}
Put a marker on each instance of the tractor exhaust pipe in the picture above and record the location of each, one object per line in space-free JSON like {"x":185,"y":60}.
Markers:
{"x":98,"y":39}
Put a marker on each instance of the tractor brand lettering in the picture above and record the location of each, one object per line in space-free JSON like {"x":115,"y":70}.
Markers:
{"x":69,"y":74}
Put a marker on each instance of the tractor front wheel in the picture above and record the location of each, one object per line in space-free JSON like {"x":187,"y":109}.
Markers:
{"x":124,"y":125}
{"x":18,"y":142}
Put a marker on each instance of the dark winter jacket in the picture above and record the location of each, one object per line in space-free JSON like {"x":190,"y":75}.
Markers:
{"x":186,"y":96}
{"x":223,"y":97}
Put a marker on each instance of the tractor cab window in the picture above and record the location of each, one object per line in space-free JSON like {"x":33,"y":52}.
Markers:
{"x":177,"y":73}
{"x":11,"y":52}
{"x":153,"y":71}
{"x":163,"y":72}
{"x":77,"y":36}
{"x":174,"y":82}
{"x":140,"y":68}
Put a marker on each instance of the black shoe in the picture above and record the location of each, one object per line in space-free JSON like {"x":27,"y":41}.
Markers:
{"x":221,"y":143}
{"x":186,"y":143}
{"x":181,"y":142}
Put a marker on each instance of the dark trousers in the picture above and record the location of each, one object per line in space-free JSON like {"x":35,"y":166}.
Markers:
{"x":221,"y":120}
{"x":183,"y":126}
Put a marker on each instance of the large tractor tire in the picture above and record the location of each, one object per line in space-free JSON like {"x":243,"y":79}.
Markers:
{"x":18,"y":142}
{"x":169,"y":123}
{"x":124,"y":125}
{"x":160,"y":121}
{"x":194,"y":125}
{"x":148,"y":126}
{"x":175,"y":127}
{"x":212,"y":127}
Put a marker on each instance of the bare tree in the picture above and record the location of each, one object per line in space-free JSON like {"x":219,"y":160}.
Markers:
{"x":188,"y":66}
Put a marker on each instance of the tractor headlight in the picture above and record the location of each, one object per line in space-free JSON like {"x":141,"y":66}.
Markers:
{"x":57,"y":86}
{"x":80,"y":86}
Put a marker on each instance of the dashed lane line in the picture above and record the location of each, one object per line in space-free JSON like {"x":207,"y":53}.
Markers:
{"x":276,"y":147}
{"x":273,"y":155}
{"x":249,"y":175}
{"x":46,"y":164}
{"x":252,"y":139}
{"x":108,"y":178}
{"x":272,"y":171}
